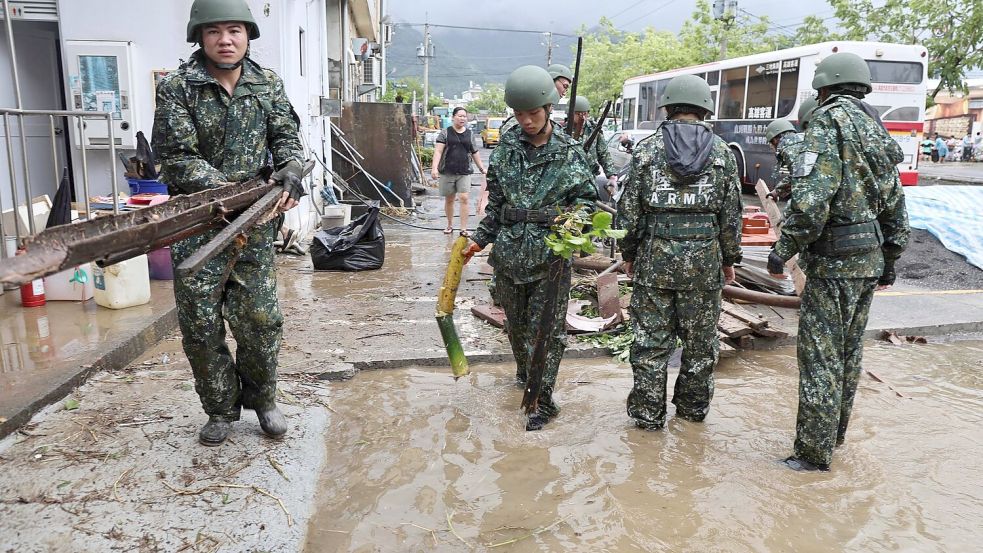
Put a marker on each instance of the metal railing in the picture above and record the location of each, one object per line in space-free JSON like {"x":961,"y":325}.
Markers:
{"x":78,"y":119}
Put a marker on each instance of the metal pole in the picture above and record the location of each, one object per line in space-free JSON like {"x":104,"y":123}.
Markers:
{"x":112,"y":162}
{"x":27,"y":178}
{"x":85,"y":169}
{"x":13,"y":177}
{"x":54,"y":147}
{"x":13,"y":52}
{"x":426,"y":69}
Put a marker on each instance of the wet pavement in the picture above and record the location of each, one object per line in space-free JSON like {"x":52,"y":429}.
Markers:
{"x":420,"y":463}
{"x":950,"y":173}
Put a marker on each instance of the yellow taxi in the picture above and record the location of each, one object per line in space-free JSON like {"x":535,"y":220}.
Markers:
{"x":489,"y":134}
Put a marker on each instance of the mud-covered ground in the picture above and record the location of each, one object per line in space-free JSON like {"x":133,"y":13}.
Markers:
{"x":927,"y":263}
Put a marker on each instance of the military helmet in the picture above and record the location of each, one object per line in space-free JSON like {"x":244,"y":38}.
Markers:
{"x":687,"y":90}
{"x":777,"y":128}
{"x":204,"y":12}
{"x":805,"y":110}
{"x":842,"y":68}
{"x":530,"y":87}
{"x":581,"y":104}
{"x":557,"y":70}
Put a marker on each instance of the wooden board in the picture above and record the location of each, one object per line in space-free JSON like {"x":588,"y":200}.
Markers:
{"x":732,"y":327}
{"x":491,"y":314}
{"x":608,"y":301}
{"x":741,"y":314}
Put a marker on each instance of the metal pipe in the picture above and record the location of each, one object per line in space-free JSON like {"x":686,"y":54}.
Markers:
{"x":112,"y":162}
{"x":13,"y":52}
{"x":13,"y":177}
{"x":85,"y":169}
{"x":54,"y":147}
{"x":31,"y":227}
{"x":775,"y":300}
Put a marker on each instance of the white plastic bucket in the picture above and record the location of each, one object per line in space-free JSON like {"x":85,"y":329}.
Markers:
{"x":124,"y":284}
{"x":336,"y":216}
{"x":75,"y":284}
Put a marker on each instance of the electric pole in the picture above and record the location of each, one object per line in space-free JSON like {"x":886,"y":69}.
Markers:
{"x":724,"y":10}
{"x":549,"y":48}
{"x":425,"y":52}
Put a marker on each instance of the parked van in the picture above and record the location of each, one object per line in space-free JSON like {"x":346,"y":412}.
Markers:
{"x":489,"y":134}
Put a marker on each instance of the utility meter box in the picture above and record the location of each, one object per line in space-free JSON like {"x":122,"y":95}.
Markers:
{"x":100,"y":80}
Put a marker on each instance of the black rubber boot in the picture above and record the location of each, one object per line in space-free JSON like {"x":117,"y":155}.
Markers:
{"x":214,"y":432}
{"x":536,"y":421}
{"x":802,"y":465}
{"x":650,"y":426}
{"x":272,"y":421}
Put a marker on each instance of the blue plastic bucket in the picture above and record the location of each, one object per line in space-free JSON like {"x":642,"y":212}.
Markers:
{"x":138,"y":186}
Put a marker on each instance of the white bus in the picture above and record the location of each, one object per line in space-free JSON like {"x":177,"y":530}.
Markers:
{"x":752,"y":91}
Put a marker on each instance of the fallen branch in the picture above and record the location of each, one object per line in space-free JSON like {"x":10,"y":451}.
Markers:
{"x":450,"y":515}
{"x":277,"y":466}
{"x":118,"y":480}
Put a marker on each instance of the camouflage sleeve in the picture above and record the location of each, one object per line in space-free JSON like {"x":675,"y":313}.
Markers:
{"x":783,"y":188}
{"x":487,"y":229}
{"x":815,"y":180}
{"x":630,"y":212}
{"x":729,"y":216}
{"x":604,"y":156}
{"x":283,"y":127}
{"x":585,"y":193}
{"x":894,"y":224}
{"x":175,"y":140}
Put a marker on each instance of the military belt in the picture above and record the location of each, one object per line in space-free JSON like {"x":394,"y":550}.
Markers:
{"x":682,"y":225}
{"x":849,"y":239}
{"x":544,"y":217}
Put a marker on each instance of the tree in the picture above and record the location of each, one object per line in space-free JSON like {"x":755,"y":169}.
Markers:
{"x":406,"y":87}
{"x":492,"y":99}
{"x":951,"y":31}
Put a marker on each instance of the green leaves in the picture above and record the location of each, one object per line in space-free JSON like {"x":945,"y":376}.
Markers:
{"x":570,"y":233}
{"x":72,"y":404}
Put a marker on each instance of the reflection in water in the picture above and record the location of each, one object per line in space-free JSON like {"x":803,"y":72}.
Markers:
{"x":408,"y":449}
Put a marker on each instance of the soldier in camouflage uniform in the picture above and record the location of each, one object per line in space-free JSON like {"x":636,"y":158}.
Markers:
{"x":220,"y":118}
{"x":681,"y":208}
{"x":787,"y":144}
{"x":562,"y":77}
{"x":847,"y":222}
{"x":536,"y":170}
{"x":598,"y":156}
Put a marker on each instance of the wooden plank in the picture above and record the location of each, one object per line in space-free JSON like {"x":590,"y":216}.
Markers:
{"x":608,"y":300}
{"x":491,"y":314}
{"x":727,"y":350}
{"x":744,"y":316}
{"x":772,"y":332}
{"x":731,"y":327}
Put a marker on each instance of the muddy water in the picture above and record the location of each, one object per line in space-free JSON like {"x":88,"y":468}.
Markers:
{"x":409,"y":450}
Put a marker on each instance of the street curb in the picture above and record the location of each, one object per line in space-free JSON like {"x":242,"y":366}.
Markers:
{"x":475,"y":358}
{"x":114,"y":359}
{"x":929,"y":330}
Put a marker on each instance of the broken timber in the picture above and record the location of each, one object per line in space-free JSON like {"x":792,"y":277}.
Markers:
{"x":111,"y":239}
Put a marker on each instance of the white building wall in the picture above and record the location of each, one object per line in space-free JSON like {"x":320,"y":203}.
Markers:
{"x":156,"y":31}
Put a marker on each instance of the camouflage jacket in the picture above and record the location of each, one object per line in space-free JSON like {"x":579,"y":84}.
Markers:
{"x":846,"y":173}
{"x":670,"y":255}
{"x":205,"y":138}
{"x":521,"y":176}
{"x":597,"y":155}
{"x":789,"y":147}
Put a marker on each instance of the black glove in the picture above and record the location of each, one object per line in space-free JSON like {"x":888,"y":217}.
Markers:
{"x":290,"y":176}
{"x":776,"y":265}
{"x":888,"y":275}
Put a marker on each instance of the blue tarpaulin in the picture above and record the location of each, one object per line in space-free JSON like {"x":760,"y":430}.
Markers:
{"x":953,"y":214}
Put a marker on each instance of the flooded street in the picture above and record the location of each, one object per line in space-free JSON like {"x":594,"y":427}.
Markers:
{"x":417,"y":462}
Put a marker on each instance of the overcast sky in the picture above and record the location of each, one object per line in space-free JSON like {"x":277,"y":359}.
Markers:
{"x":567,"y":15}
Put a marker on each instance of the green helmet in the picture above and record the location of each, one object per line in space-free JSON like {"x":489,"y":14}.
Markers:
{"x":842,"y":68}
{"x":581,"y":104}
{"x":687,"y":90}
{"x":204,"y":12}
{"x":805,"y":110}
{"x":777,"y":128}
{"x":557,"y":70}
{"x":530,"y":87}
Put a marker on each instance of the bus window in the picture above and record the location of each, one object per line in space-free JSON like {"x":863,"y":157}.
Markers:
{"x":909,"y":113}
{"x":896,"y":72}
{"x":713,"y":102}
{"x":762,"y":85}
{"x":788,"y":88}
{"x":732,"y":93}
{"x":713,"y":78}
{"x":627,"y":114}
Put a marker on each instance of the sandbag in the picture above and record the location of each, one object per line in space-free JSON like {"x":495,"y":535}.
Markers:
{"x":358,"y":246}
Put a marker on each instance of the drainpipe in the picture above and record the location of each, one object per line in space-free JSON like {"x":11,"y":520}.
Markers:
{"x":382,"y":45}
{"x":345,"y":22}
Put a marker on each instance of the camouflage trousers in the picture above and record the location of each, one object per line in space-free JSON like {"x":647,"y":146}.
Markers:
{"x":658,"y":317}
{"x":523,"y":305}
{"x":238,"y":285}
{"x":832,"y":320}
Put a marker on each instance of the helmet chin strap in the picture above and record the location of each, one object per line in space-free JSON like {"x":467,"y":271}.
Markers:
{"x":229,"y":66}
{"x":548,"y":109}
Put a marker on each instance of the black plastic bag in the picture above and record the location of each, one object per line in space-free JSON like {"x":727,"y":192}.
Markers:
{"x":359,"y":246}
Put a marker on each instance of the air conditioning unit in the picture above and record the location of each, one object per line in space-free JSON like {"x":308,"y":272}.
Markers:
{"x":371,"y":69}
{"x":33,"y":10}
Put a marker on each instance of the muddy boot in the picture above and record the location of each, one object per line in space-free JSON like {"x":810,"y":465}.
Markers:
{"x":520,"y":379}
{"x":646,"y":425}
{"x":536,"y":421}
{"x":272,"y":421}
{"x":214,"y":432}
{"x":840,"y":440}
{"x":801,"y":465}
